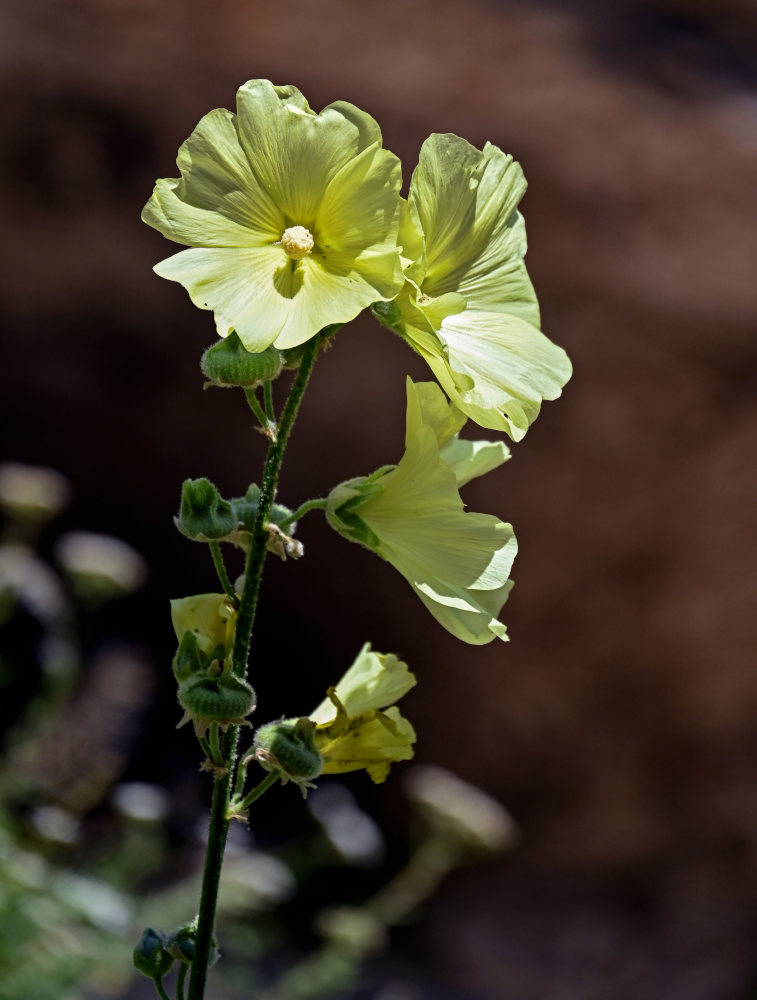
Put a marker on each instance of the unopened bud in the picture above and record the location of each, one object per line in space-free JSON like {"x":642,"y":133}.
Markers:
{"x":227,"y":364}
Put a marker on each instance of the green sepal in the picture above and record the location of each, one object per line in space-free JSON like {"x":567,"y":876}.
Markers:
{"x":245,"y":510}
{"x":189,"y":659}
{"x":215,"y":696}
{"x":204,"y":515}
{"x":388,"y":314}
{"x":181,"y":944}
{"x":150,"y":955}
{"x":289,"y":747}
{"x":227,"y":363}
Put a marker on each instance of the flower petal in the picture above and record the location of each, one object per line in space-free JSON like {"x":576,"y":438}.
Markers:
{"x":374,"y":681}
{"x":294,"y":152}
{"x":497,"y":369}
{"x":372,"y":743}
{"x":465,"y":201}
{"x":217,"y":201}
{"x":471,"y":459}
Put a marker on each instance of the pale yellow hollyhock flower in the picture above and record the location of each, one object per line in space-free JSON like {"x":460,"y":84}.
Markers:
{"x":412,"y":515}
{"x":358,"y":725}
{"x":291,"y":216}
{"x":468,"y":306}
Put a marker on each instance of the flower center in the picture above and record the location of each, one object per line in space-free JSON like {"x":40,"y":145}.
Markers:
{"x":297,"y":242}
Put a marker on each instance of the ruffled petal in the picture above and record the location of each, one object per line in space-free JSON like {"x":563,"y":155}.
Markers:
{"x":374,"y":681}
{"x":217,"y":201}
{"x":497,"y":369}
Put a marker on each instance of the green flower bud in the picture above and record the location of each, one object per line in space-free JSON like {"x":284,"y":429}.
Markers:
{"x":289,"y":747}
{"x":150,"y":955}
{"x":224,"y":699}
{"x":204,"y":515}
{"x":180,"y":943}
{"x":245,"y":509}
{"x":227,"y":364}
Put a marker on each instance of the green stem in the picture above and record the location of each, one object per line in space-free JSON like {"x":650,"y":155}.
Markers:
{"x":219,"y":810}
{"x":215,"y":745}
{"x":319,"y":504}
{"x":211,"y":876}
{"x":180,"y":981}
{"x":257,"y":552}
{"x":257,"y":791}
{"x":256,"y":408}
{"x":158,"y":983}
{"x":223,"y":576}
{"x":268,"y":399}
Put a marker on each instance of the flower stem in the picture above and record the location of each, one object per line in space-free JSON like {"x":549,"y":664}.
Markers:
{"x":219,"y":810}
{"x":257,"y":553}
{"x":256,"y":408}
{"x":180,"y":981}
{"x":268,"y":399}
{"x":158,"y":983}
{"x":223,"y":576}
{"x":211,"y":876}
{"x":257,"y":791}
{"x":319,"y":504}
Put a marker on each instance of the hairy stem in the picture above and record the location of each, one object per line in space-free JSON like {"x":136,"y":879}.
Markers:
{"x":223,"y":576}
{"x":219,"y":810}
{"x":256,"y":555}
{"x":319,"y":504}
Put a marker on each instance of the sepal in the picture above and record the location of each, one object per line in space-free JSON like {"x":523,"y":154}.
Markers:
{"x":288,"y":746}
{"x":227,"y":363}
{"x":181,"y":943}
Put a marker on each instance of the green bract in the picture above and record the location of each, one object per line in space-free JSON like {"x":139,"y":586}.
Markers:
{"x":291,"y":216}
{"x":468,"y":306}
{"x":358,"y":725}
{"x":412,"y":515}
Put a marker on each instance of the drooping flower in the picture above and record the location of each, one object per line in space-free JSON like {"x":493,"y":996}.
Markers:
{"x":358,"y":724}
{"x":412,"y":515}
{"x":291,"y":216}
{"x":468,"y":306}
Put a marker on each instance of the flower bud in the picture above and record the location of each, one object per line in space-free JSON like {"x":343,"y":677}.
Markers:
{"x":227,"y":364}
{"x":224,"y":699}
{"x":204,"y":515}
{"x":289,"y":746}
{"x":150,"y":955}
{"x":181,"y":942}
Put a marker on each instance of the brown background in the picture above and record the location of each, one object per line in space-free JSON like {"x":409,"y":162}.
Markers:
{"x":619,"y":723}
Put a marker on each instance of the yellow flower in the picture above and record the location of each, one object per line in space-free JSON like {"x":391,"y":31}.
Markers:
{"x":291,"y":216}
{"x":412,"y":515}
{"x":357,"y":724}
{"x":468,"y":306}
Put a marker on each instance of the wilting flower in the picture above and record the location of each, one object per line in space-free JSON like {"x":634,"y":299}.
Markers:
{"x":468,"y":306}
{"x":358,"y":725}
{"x":412,"y":515}
{"x":291,"y":216}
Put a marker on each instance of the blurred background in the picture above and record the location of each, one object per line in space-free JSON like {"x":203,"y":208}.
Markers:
{"x":618,"y":726}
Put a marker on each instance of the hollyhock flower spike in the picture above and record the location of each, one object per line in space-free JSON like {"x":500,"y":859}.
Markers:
{"x":291,"y":217}
{"x":468,"y":306}
{"x":412,"y":515}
